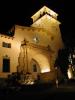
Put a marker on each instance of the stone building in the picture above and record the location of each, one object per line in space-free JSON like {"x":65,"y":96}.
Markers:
{"x":32,"y":49}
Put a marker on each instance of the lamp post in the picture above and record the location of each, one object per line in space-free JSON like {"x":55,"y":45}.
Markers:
{"x":56,"y":77}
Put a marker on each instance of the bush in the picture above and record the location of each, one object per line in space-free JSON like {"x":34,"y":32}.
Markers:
{"x":3,"y":83}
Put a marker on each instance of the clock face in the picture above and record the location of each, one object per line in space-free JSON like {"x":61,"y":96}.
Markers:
{"x":36,"y":39}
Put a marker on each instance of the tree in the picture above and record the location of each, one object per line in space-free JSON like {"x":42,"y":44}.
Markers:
{"x":62,"y":61}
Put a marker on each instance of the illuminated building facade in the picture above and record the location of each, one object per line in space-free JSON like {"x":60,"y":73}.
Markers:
{"x":32,"y":49}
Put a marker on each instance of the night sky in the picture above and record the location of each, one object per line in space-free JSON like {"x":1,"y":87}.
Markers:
{"x":20,"y":12}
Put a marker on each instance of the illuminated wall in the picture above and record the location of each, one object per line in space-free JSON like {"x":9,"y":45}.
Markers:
{"x":44,"y":31}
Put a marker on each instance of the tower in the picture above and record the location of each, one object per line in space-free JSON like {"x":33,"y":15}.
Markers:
{"x":46,"y":19}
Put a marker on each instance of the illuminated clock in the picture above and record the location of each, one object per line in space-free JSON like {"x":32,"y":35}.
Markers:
{"x":36,"y":39}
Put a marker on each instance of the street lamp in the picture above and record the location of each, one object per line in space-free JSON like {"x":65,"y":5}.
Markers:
{"x":56,"y":77}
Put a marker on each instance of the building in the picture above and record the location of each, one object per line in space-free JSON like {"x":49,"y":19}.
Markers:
{"x":32,"y":49}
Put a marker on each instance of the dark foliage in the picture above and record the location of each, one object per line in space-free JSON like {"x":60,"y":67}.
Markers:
{"x":62,"y":61}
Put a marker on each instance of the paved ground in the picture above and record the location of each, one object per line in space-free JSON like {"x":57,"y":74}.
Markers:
{"x":43,"y":93}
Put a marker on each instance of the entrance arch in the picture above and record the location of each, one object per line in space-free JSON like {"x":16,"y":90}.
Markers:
{"x":43,"y":62}
{"x":39,"y":64}
{"x":36,"y":59}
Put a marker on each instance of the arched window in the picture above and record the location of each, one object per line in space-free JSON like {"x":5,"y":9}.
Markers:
{"x":34,"y":68}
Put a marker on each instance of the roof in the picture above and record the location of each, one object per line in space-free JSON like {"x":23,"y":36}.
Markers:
{"x":46,"y":10}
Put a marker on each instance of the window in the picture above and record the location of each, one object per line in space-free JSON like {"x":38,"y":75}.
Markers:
{"x":7,"y":45}
{"x":34,"y":68}
{"x":6,"y":65}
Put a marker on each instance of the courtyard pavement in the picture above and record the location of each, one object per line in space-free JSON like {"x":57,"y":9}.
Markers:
{"x":39,"y":93}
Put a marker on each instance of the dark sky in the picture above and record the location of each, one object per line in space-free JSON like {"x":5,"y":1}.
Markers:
{"x":19,"y":13}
